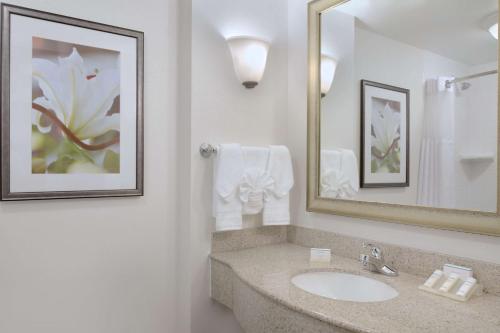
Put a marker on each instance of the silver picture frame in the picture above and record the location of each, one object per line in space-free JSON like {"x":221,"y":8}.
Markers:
{"x":5,"y":163}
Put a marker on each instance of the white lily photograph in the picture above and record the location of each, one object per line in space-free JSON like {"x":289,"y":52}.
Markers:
{"x":73,"y":120}
{"x":76,"y":109}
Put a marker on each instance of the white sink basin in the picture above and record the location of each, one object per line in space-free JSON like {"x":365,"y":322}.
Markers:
{"x":345,"y":287}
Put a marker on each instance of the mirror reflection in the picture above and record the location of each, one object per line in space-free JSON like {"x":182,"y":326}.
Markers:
{"x":409,"y":103}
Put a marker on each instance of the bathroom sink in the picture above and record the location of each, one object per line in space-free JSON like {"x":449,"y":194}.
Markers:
{"x":345,"y":287}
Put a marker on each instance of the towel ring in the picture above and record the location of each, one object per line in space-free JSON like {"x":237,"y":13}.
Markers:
{"x":207,"y":150}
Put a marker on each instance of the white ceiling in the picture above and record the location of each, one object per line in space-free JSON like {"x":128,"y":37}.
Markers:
{"x":452,"y":28}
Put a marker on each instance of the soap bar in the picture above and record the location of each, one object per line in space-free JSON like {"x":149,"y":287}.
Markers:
{"x":449,"y":283}
{"x":320,"y":255}
{"x":434,"y":278}
{"x":466,"y":287}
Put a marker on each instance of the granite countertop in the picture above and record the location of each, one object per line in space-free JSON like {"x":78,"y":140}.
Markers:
{"x":269,"y":269}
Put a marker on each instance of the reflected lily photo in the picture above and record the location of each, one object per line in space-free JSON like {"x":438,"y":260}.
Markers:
{"x":386,"y":135}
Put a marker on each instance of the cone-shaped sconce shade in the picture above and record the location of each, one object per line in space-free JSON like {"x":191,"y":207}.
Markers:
{"x":249,"y":59}
{"x":494,"y":30}
{"x":328,"y":67}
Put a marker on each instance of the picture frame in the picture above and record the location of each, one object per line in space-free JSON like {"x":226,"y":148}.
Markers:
{"x":72,"y":117}
{"x":385,"y":136}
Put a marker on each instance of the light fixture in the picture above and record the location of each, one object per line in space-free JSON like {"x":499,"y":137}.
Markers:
{"x":249,"y":59}
{"x":494,"y":30}
{"x":490,"y":23}
{"x":328,"y":67}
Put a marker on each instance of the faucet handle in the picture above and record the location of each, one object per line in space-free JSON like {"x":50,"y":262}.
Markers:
{"x":375,"y":251}
{"x":364,"y":259}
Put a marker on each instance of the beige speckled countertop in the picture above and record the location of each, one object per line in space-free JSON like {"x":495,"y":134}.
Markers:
{"x":269,"y":269}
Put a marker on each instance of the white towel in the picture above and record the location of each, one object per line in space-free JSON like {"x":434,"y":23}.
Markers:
{"x":277,"y":207}
{"x":339,"y":174}
{"x":249,"y":180}
{"x":256,"y":184}
{"x":330,"y":159}
{"x":228,"y":171}
{"x":350,"y":168}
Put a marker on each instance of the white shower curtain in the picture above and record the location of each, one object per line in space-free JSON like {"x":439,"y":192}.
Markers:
{"x":436,"y":177}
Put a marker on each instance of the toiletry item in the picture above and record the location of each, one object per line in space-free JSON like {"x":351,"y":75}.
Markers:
{"x":463,"y":272}
{"x":321,"y":255}
{"x":434,"y":278}
{"x":450,"y":282}
{"x":467,"y":287}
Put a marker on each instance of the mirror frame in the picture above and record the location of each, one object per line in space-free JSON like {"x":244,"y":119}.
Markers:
{"x":441,"y":218}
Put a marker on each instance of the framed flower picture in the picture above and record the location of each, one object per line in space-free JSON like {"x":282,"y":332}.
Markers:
{"x":385,"y":139}
{"x":72,"y":107}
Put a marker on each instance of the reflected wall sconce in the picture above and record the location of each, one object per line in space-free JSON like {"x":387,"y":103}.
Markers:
{"x":490,"y":23}
{"x":249,"y":59}
{"x":494,"y":30}
{"x":328,"y":67}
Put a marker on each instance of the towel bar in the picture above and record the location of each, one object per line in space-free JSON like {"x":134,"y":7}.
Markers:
{"x":207,"y":150}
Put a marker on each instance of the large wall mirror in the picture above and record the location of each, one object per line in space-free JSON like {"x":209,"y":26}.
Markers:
{"x":403,"y":111}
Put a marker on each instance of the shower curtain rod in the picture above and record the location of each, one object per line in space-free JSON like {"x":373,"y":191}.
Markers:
{"x":463,"y":78}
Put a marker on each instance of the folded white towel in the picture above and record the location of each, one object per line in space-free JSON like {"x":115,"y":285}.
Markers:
{"x":228,"y":171}
{"x":256,"y":183}
{"x":248,"y":180}
{"x":339,"y":174}
{"x":277,"y":208}
{"x":350,"y":168}
{"x":331,"y":159}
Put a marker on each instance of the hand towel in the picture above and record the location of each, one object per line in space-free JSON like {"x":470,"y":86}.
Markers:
{"x":255,"y":189}
{"x":228,"y":172}
{"x":277,"y":207}
{"x":331,"y":159}
{"x":248,"y":180}
{"x":256,"y":183}
{"x":339,"y":173}
{"x":350,"y":168}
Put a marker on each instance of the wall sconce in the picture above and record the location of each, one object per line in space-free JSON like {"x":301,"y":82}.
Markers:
{"x":249,"y":59}
{"x":490,"y":23}
{"x":494,"y":30}
{"x":328,"y":67}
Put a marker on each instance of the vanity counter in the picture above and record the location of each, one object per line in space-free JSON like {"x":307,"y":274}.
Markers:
{"x":256,"y":284}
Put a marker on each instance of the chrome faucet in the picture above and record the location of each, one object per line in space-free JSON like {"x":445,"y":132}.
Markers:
{"x":374,"y":262}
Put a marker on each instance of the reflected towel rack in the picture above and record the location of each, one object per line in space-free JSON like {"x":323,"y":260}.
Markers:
{"x":473,"y":76}
{"x":207,"y":150}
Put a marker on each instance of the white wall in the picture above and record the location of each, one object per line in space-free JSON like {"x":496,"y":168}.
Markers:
{"x":476,"y":128}
{"x":183,"y":265}
{"x":467,"y":245}
{"x":223,"y":111}
{"x":103,"y":265}
{"x":339,"y":120}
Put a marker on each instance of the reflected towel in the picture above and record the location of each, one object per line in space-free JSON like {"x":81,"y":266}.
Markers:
{"x":339,"y":174}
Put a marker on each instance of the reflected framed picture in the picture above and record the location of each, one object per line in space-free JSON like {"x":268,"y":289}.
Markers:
{"x":72,"y":107}
{"x":385,"y":137}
